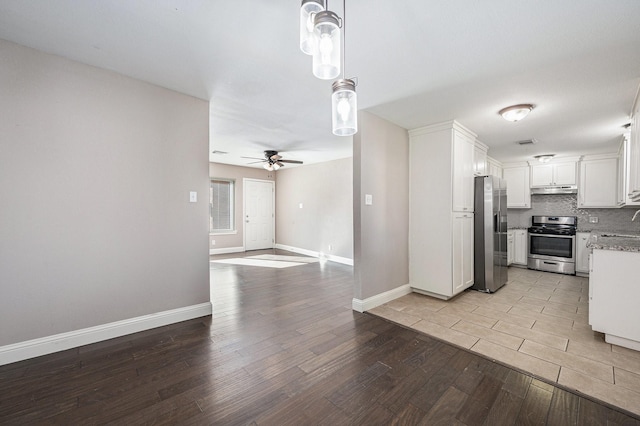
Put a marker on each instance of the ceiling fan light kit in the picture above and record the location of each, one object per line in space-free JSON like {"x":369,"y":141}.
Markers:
{"x":326,"y":43}
{"x":515,"y":112}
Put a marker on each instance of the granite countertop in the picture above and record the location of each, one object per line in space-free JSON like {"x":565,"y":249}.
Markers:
{"x":612,"y":240}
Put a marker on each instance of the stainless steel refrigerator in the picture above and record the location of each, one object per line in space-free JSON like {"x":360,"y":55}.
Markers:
{"x":490,"y":233}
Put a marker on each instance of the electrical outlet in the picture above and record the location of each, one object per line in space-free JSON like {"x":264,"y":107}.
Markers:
{"x":213,"y":242}
{"x":329,"y":247}
{"x":593,"y":219}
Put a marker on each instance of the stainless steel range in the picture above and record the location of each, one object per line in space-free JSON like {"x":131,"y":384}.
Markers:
{"x":552,"y":244}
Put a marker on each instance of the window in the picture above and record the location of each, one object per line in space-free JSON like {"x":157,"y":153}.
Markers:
{"x":221,"y":205}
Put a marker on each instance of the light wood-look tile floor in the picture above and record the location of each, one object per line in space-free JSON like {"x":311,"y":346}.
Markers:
{"x":538,"y":323}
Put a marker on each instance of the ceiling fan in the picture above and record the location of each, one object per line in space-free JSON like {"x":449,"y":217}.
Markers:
{"x":273,"y":160}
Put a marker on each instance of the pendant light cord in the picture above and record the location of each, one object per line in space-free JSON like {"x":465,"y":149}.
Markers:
{"x":344,"y":37}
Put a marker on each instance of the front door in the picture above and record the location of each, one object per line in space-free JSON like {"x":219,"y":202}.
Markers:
{"x":258,"y":214}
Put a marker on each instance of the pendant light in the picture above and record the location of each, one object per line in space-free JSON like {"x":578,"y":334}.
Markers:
{"x":344,"y":101}
{"x":308,"y":11}
{"x":326,"y":55}
{"x":344,"y":107}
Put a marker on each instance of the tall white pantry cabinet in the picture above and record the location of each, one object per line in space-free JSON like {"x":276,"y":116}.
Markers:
{"x":441,"y":209}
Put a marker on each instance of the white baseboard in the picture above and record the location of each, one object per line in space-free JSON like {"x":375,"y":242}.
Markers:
{"x":226,"y":250}
{"x":319,"y":255}
{"x":379,"y":299}
{"x":63,"y":341}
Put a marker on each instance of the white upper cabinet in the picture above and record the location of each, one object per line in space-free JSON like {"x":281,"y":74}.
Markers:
{"x":480,"y":167}
{"x":494,"y":167}
{"x":518,"y":192}
{"x":598,"y":181}
{"x":463,"y":147}
{"x":624,"y":173}
{"x":553,"y":174}
{"x":633,"y":189}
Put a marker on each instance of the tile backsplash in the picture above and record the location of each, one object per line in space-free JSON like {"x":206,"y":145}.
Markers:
{"x":567,"y":205}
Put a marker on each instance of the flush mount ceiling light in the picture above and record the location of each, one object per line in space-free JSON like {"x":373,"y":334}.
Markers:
{"x":544,"y":158}
{"x":515,"y":112}
{"x":308,"y":11}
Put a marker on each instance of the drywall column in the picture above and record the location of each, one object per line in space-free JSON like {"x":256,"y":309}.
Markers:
{"x":381,"y":244}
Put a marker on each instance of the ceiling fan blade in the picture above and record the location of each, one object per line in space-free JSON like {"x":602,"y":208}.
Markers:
{"x":292,"y":161}
{"x":255,"y":158}
{"x":275,"y":157}
{"x":279,"y":163}
{"x":254,"y":162}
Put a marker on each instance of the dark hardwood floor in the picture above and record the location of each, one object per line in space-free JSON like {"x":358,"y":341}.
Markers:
{"x":283,"y":347}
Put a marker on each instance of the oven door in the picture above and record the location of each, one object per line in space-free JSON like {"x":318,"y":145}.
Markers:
{"x":552,"y":247}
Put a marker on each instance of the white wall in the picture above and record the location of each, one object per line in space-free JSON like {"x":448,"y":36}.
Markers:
{"x":95,"y":220}
{"x":236,"y":173}
{"x":381,"y":230}
{"x":324,"y":224}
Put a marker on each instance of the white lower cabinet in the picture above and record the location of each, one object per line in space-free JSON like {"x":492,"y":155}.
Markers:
{"x":613,"y":296}
{"x":520,"y":245}
{"x":462,"y":252}
{"x":582,"y":252}
{"x":510,"y":246}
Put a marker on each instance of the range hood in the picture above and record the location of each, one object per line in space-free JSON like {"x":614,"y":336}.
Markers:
{"x":560,"y":189}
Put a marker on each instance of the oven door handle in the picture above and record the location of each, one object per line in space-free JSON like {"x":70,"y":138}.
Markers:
{"x":531,"y":234}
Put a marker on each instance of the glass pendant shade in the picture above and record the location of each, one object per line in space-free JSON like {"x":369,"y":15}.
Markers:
{"x":344,"y":108}
{"x":308,"y":11}
{"x":268,"y":167}
{"x":326,"y":57}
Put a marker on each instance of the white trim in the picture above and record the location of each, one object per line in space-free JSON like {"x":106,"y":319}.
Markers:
{"x":380,"y":299}
{"x":231,"y":232}
{"x":319,"y":255}
{"x":63,"y":341}
{"x":226,"y":250}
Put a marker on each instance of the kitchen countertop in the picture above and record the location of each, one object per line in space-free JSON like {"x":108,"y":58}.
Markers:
{"x":509,"y":228}
{"x":611,"y":240}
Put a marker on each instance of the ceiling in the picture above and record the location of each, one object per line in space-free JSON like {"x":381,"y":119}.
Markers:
{"x":418,"y":62}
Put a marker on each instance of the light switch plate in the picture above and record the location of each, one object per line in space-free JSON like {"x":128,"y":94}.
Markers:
{"x":193,"y":197}
{"x":368,"y":199}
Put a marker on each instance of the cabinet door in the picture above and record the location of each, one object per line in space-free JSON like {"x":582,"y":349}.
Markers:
{"x":518,"y":192}
{"x":541,"y":175}
{"x":495,"y":170}
{"x":634,"y":157}
{"x":462,"y":252}
{"x":564,"y":174}
{"x":510,"y":247}
{"x":462,"y":173}
{"x":598,"y":183}
{"x":520,"y":247}
{"x":582,"y":252}
{"x":479,"y":161}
